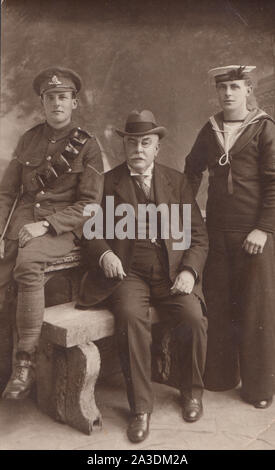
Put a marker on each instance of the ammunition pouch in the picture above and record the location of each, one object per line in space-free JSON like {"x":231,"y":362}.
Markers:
{"x":62,"y":163}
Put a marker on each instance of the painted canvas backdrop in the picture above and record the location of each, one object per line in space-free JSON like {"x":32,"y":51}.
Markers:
{"x":131,"y":54}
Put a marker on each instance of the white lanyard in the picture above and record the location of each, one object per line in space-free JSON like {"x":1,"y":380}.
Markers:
{"x":224,"y":158}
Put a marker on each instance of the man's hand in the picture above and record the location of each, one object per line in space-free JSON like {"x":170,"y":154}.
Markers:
{"x":30,"y":231}
{"x":255,"y":242}
{"x":2,"y":249}
{"x":184,"y":283}
{"x":112,"y":266}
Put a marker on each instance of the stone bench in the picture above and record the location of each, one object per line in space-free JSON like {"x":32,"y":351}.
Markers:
{"x":69,"y":363}
{"x":77,"y":347}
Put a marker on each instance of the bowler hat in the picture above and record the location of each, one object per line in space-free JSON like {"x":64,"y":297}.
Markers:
{"x":57,"y":79}
{"x":141,"y":123}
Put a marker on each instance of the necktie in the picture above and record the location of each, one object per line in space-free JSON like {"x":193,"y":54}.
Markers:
{"x":140,"y":179}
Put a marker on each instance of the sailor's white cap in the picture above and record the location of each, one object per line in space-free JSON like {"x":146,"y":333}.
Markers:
{"x":231,"y":72}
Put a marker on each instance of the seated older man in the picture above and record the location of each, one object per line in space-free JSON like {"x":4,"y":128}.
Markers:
{"x":134,"y":272}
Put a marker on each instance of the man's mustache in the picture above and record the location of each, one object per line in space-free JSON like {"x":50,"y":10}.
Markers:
{"x":137,"y":155}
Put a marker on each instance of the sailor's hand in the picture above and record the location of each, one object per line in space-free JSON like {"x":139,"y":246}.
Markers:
{"x":112,"y":266}
{"x":255,"y":242}
{"x":2,"y":249}
{"x":184,"y":283}
{"x":29,"y":231}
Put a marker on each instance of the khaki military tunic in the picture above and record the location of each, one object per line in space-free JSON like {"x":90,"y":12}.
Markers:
{"x":61,"y":204}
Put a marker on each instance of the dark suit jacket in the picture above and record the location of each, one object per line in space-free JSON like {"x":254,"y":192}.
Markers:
{"x":171,"y":187}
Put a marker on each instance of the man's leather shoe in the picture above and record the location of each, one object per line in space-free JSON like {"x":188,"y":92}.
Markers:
{"x":20,"y":383}
{"x":191,"y":409}
{"x":138,"y":428}
{"x":263,"y":403}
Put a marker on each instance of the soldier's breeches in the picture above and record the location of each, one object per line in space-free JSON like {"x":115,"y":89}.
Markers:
{"x":30,"y":301}
{"x":29,"y":275}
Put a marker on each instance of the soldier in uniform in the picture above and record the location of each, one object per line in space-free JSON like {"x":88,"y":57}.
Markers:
{"x":237,"y":146}
{"x":56,"y":170}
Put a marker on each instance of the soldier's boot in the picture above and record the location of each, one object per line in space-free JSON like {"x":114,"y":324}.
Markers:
{"x":23,"y":376}
{"x":29,"y":318}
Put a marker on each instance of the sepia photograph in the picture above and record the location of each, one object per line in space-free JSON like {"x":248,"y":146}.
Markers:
{"x":137,"y":220}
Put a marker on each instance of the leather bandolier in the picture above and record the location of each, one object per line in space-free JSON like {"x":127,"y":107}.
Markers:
{"x":57,"y":165}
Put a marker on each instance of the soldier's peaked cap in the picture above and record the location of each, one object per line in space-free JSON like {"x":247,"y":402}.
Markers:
{"x":57,"y":79}
{"x":231,"y":72}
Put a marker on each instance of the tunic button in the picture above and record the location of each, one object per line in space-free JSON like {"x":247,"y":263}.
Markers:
{"x":37,"y":204}
{"x":27,"y":163}
{"x":49,"y":158}
{"x":69,"y":170}
{"x":42,"y":192}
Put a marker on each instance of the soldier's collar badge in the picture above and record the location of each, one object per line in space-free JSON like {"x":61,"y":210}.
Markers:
{"x":54,"y":81}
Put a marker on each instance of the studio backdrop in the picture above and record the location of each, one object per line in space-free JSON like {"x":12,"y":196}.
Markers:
{"x":151,"y":54}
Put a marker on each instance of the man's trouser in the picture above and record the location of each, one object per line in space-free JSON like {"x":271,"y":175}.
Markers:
{"x":148,"y":283}
{"x":240,"y":295}
{"x":26,"y":266}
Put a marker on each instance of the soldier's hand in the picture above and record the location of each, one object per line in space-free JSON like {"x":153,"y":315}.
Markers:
{"x":255,"y":242}
{"x":29,"y":231}
{"x":184,"y":283}
{"x":2,"y":249}
{"x":112,"y":266}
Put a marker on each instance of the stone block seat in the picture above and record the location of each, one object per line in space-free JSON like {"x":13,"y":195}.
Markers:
{"x":77,"y":347}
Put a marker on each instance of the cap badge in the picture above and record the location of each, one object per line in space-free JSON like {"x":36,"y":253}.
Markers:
{"x":54,"y":81}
